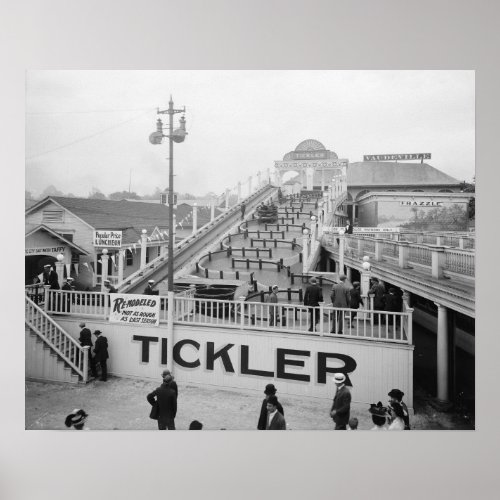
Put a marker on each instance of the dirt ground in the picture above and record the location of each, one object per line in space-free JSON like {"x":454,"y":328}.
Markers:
{"x":120,"y":404}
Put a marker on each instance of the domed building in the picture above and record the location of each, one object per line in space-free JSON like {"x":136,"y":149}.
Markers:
{"x":315,"y":165}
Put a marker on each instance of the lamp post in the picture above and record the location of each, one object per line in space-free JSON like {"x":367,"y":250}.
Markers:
{"x":178,"y":135}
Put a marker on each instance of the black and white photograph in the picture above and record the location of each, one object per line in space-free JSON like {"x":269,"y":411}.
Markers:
{"x":250,"y":250}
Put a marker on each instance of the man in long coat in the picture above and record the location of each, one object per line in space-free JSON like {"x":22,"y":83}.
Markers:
{"x":101,"y":354}
{"x":50,"y":277}
{"x":341,"y":407}
{"x":340,"y":298}
{"x":166,"y":398}
{"x":86,"y":340}
{"x":312,"y":298}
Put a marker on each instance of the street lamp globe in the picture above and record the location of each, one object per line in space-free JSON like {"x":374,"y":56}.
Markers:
{"x":105,"y":251}
{"x":60,"y":257}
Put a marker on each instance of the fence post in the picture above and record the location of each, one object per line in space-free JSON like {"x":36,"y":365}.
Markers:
{"x":242,"y":311}
{"x":438,"y":261}
{"x":85,"y":367}
{"x":321,"y":318}
{"x":404,"y":252}
{"x":46,"y":298}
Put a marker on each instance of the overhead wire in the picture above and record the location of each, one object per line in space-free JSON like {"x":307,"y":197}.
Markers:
{"x":81,"y":139}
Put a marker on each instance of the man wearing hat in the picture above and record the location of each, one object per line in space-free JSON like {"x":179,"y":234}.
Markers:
{"x":86,"y":340}
{"x":273,"y":310}
{"x":67,"y":285}
{"x":165,"y":398}
{"x":101,"y":354}
{"x":269,"y":391}
{"x":312,"y":297}
{"x":341,"y":407}
{"x":396,"y":396}
{"x":275,"y":420}
{"x":50,"y":277}
{"x":149,"y":288}
{"x":378,"y":290}
{"x":340,"y":298}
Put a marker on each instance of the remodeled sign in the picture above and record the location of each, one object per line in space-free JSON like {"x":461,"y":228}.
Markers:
{"x":134,"y":309}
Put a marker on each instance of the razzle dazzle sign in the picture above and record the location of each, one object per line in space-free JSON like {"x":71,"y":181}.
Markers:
{"x":134,"y":309}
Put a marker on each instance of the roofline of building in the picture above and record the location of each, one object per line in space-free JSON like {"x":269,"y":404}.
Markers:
{"x":50,"y":198}
{"x":43,"y":227}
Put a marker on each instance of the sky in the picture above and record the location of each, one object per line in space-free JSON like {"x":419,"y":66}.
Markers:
{"x":90,"y":130}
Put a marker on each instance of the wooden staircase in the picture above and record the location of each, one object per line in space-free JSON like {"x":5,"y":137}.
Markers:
{"x":51,"y":353}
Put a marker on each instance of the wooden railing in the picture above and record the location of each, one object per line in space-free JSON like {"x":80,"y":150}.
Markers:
{"x":59,"y":341}
{"x":255,"y":315}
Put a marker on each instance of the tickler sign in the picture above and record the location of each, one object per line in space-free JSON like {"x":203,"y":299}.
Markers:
{"x":106,"y":238}
{"x":229,"y":353}
{"x":134,"y":309}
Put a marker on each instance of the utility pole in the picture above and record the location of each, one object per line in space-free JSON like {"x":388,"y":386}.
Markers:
{"x":177,"y":135}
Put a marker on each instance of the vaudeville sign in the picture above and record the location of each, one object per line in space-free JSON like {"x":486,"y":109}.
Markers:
{"x":107,"y":238}
{"x":389,"y":157}
{"x":133,"y":309}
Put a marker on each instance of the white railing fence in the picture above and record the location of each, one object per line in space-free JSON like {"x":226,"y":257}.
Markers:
{"x":61,"y":343}
{"x":284,"y":317}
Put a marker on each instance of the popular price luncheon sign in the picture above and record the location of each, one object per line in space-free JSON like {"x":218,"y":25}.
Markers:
{"x":106,"y":238}
{"x":134,"y":309}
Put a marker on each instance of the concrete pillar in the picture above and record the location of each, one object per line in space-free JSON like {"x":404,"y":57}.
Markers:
{"x":461,"y":242}
{"x":212,"y":210}
{"x":420,"y":238}
{"x":269,"y":175}
{"x":259,"y":180}
{"x":121,"y":257}
{"x":349,"y":274}
{"x":438,"y":261}
{"x":404,"y":252}
{"x":195,"y":218}
{"x":144,"y":242}
{"x":239,"y":191}
{"x":341,"y":253}
{"x":249,"y":185}
{"x":227,"y":199}
{"x":378,"y":248}
{"x":360,"y":246}
{"x":60,"y":272}
{"x":439,"y":240}
{"x":406,"y":297}
{"x":442,"y":353}
{"x":104,"y":269}
{"x":322,"y":179}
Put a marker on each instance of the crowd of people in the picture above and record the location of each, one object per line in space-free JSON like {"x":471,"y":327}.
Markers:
{"x":163,"y":401}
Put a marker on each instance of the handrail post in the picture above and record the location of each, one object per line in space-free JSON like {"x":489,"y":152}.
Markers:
{"x":242,"y":311}
{"x":46,"y":298}
{"x":321,"y":318}
{"x":85,"y":363}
